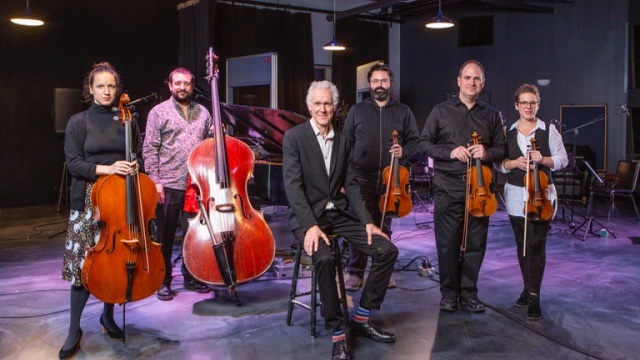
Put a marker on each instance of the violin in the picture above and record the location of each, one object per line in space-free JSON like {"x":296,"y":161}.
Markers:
{"x":538,"y":207}
{"x":481,"y":202}
{"x":396,"y":201}
{"x":228,"y":242}
{"x":126,"y":264}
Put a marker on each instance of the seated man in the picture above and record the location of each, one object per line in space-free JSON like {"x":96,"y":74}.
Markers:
{"x":316,"y":168}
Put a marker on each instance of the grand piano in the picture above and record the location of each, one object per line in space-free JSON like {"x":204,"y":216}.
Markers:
{"x":263,"y":130}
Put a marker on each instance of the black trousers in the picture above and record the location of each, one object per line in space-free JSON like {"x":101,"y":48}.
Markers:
{"x":458,"y":270}
{"x":167,"y":217}
{"x":383,"y":257}
{"x":532,"y":264}
{"x":371,"y":190}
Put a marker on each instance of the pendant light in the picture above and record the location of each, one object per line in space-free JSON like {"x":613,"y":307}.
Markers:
{"x":440,"y":21}
{"x":334,"y":45}
{"x":27,"y":18}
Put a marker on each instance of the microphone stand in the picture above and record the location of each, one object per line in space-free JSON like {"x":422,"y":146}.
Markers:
{"x":590,"y":219}
{"x":575,"y":131}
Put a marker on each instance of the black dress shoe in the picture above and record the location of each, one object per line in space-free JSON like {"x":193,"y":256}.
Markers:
{"x":117,"y":335}
{"x":196,"y":286}
{"x":369,"y":330}
{"x":472,"y":303}
{"x":165,"y":293}
{"x":340,"y":350}
{"x":534,"y":312}
{"x":69,"y":353}
{"x":523,"y":300}
{"x":449,"y":302}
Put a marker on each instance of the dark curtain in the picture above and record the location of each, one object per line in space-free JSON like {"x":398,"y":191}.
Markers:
{"x":242,"y":30}
{"x":365,"y":41}
{"x":194,"y":39}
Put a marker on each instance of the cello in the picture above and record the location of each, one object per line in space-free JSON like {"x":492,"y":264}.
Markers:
{"x":228,"y":242}
{"x":126,"y":264}
{"x":396,"y":201}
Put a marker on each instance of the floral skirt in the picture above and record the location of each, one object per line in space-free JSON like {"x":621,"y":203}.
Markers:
{"x":83,"y":233}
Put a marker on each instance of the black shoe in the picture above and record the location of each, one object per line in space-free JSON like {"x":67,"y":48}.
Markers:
{"x":340,"y":350}
{"x":369,"y":330}
{"x":523,"y":300}
{"x":449,"y":302}
{"x":69,"y":353}
{"x":472,"y":303}
{"x":117,"y":335}
{"x":534,"y":312}
{"x":196,"y":286}
{"x":165,"y":293}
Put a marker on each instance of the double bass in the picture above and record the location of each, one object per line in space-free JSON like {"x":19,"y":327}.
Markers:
{"x":126,"y":264}
{"x":228,"y":242}
{"x":396,"y":201}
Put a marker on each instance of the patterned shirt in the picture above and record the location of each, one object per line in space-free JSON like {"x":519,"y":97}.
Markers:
{"x":170,"y":138}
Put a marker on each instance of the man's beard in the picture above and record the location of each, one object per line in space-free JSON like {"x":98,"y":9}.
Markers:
{"x":183,"y":100}
{"x":380,"y":93}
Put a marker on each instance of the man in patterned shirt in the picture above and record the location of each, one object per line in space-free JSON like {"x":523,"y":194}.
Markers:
{"x":174,"y":128}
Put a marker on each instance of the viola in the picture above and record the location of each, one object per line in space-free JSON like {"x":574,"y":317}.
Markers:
{"x":538,"y":207}
{"x":228,"y":242}
{"x":126,"y":264}
{"x":481,"y":202}
{"x":396,"y":201}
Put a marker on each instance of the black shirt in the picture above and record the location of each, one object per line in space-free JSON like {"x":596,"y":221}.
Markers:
{"x":450,"y":124}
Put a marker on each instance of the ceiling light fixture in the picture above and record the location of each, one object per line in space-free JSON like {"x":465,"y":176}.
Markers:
{"x":440,"y":21}
{"x":27,"y":18}
{"x":334,"y":44}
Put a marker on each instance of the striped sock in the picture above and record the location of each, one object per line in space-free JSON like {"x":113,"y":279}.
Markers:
{"x":362,"y":315}
{"x":338,"y":334}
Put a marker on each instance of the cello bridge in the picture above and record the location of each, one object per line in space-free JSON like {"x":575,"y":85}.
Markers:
{"x":132,"y":244}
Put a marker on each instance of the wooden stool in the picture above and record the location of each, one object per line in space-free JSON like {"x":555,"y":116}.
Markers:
{"x":335,"y":249}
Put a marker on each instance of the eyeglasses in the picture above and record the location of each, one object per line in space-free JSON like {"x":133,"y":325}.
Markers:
{"x":525,"y":104}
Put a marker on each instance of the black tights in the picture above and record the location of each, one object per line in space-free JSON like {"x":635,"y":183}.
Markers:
{"x":78,"y":300}
{"x":533,"y":263}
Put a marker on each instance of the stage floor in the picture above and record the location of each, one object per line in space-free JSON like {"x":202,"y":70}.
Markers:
{"x":590,"y":299}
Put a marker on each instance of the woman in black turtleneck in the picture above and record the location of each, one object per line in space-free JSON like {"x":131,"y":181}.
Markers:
{"x":94,"y":146}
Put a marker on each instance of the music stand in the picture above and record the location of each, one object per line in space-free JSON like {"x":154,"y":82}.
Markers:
{"x":590,"y":218}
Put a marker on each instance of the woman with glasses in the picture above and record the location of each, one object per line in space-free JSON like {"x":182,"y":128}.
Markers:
{"x":546,"y":156}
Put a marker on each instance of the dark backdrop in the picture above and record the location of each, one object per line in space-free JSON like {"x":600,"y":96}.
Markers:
{"x":140,"y":38}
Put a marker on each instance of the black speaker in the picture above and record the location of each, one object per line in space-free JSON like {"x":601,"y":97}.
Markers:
{"x":66,"y":102}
